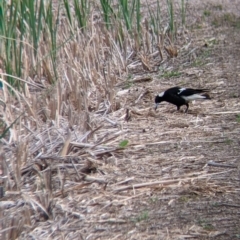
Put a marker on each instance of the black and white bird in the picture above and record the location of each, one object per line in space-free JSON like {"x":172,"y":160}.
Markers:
{"x":181,"y":96}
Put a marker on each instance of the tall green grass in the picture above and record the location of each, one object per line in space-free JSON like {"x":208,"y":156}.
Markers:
{"x":127,"y":11}
{"x":82,"y":10}
{"x":107,"y":12}
{"x":10,"y":47}
{"x":171,"y":15}
{"x":51,"y":26}
{"x":183,"y":12}
{"x":27,"y":25}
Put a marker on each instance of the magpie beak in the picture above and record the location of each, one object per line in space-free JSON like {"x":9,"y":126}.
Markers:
{"x":156,"y":105}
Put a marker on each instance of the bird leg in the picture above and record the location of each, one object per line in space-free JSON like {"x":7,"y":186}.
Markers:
{"x":186,"y":111}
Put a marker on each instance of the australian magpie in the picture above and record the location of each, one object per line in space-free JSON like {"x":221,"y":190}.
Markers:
{"x":181,"y":96}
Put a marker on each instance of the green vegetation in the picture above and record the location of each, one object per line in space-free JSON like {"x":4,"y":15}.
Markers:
{"x":128,"y":83}
{"x":206,"y":13}
{"x":238,"y":118}
{"x":184,"y":198}
{"x":206,"y":225}
{"x":143,"y":216}
{"x":170,"y":74}
{"x":203,"y":56}
{"x":183,"y":12}
{"x":32,"y":37}
{"x":228,"y":19}
{"x":153,"y":199}
{"x":234,"y":95}
{"x":198,"y":63}
{"x":155,"y":18}
{"x":171,"y":15}
{"x":123,"y":143}
{"x":4,"y":129}
{"x":228,"y":141}
{"x":218,"y":7}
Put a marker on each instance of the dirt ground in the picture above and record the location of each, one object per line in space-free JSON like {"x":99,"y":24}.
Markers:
{"x":178,"y":175}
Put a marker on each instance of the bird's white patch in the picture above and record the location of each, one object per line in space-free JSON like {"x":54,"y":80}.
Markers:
{"x":181,"y":90}
{"x":161,"y":94}
{"x":193,"y":97}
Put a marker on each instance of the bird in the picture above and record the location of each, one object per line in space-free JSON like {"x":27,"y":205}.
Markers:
{"x":180,"y":96}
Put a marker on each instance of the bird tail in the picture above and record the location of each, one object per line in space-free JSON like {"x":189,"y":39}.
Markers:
{"x":206,"y":96}
{"x":202,"y":90}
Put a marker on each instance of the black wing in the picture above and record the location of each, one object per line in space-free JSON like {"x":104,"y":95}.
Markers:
{"x":175,"y":99}
{"x":173,"y":91}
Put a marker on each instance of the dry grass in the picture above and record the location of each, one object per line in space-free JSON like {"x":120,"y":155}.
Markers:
{"x":64,"y":168}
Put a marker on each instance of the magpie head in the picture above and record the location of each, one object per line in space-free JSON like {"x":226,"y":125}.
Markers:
{"x":158,"y":99}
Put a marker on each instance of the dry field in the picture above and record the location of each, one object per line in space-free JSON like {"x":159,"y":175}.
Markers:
{"x":124,"y":171}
